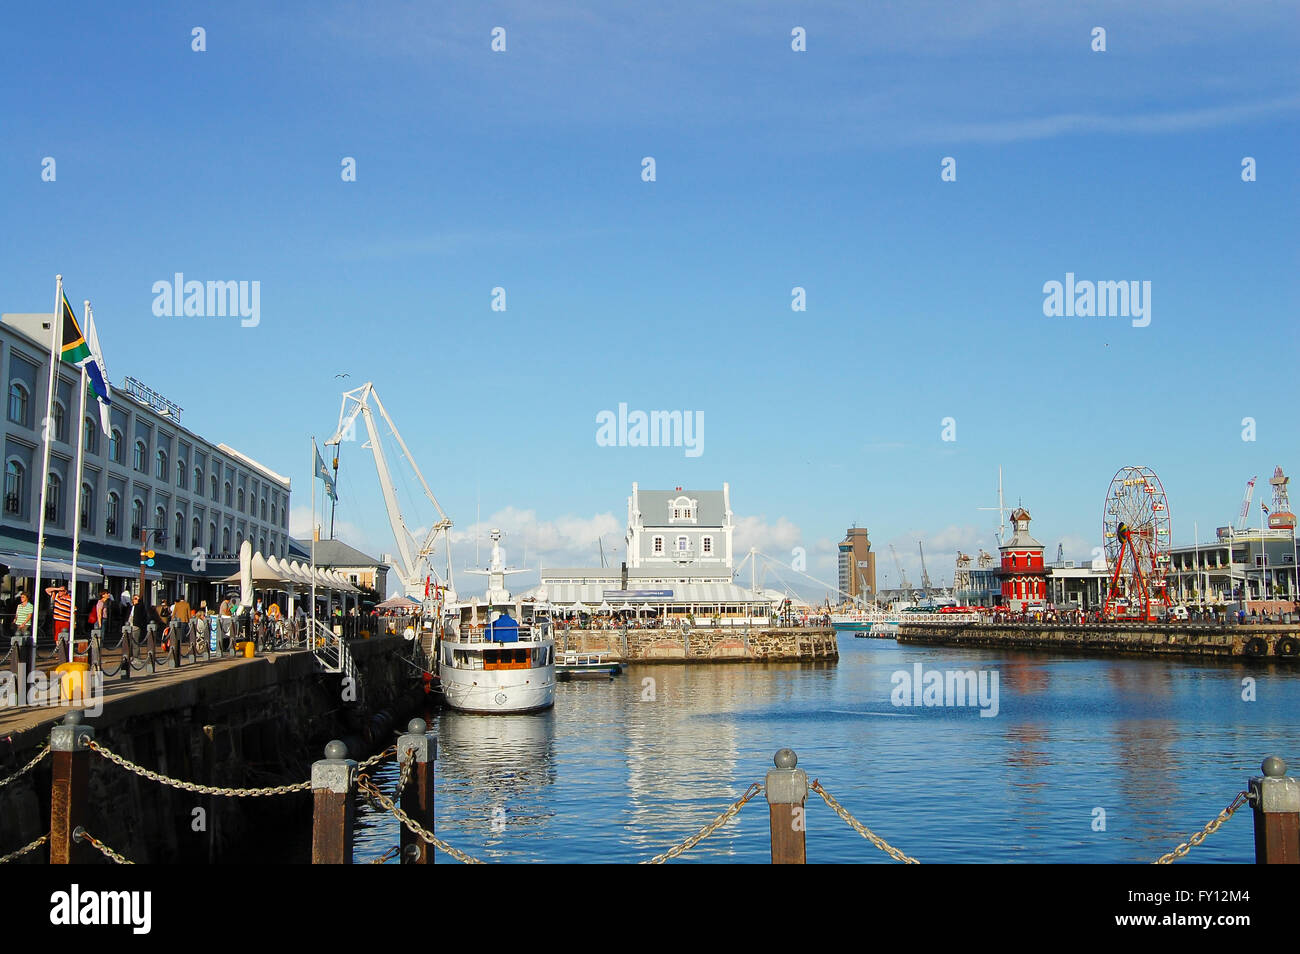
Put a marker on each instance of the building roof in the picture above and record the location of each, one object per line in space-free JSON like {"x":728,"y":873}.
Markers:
{"x":653,"y":505}
{"x":593,"y":594}
{"x":231,"y":452}
{"x":338,"y":553}
{"x":654,"y":572}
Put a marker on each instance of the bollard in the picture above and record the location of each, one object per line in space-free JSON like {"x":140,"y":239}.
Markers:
{"x":333,"y":781}
{"x":787,"y":789}
{"x":70,"y":755}
{"x":127,"y":653}
{"x":1276,"y":800}
{"x":417,"y":797}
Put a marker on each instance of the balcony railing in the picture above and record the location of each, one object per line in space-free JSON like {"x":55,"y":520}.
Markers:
{"x":12,"y":504}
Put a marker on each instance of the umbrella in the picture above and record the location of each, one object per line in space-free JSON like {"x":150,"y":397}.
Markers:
{"x":580,"y":608}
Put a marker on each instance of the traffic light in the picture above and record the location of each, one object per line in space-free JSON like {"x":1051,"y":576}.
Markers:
{"x":146,"y":557}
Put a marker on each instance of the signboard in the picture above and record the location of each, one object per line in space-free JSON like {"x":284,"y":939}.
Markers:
{"x":152,"y":399}
{"x":638,"y":594}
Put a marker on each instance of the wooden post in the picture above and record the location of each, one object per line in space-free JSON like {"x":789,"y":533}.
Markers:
{"x":70,"y":755}
{"x":1276,"y":800}
{"x":787,"y":789}
{"x":417,"y":797}
{"x":332,"y":782}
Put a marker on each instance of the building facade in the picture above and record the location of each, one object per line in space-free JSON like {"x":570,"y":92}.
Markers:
{"x":857,"y":565}
{"x":149,"y":472}
{"x":356,"y":567}
{"x":1022,"y":570}
{"x":679,"y":527}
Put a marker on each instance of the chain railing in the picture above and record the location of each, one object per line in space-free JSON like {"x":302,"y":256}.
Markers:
{"x":26,"y":849}
{"x":860,"y":828}
{"x":1210,"y":828}
{"x":80,"y":834}
{"x":45,"y":750}
{"x":732,"y":811}
{"x":194,"y":786}
{"x":365,"y":785}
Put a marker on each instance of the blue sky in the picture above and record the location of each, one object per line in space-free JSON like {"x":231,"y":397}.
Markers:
{"x":775,"y":169}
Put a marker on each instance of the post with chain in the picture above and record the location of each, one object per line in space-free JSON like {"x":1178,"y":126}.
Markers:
{"x":69,"y":793}
{"x":787,"y":791}
{"x":333,"y":781}
{"x":417,"y":796}
{"x":1276,"y":800}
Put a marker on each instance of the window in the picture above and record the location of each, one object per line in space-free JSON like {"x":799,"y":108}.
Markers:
{"x":196,"y":531}
{"x":263,"y":508}
{"x":273,"y":513}
{"x":241,"y":499}
{"x":160,"y":469}
{"x":681,"y":544}
{"x":181,"y":473}
{"x":115,"y":447}
{"x":87,"y":502}
{"x":90,"y":436}
{"x":261,"y":544}
{"x":18,"y":405}
{"x":198,"y":480}
{"x":225,"y":539}
{"x":707,"y":546}
{"x":14,"y":474}
{"x":114,"y":506}
{"x":659,"y":544}
{"x":229,"y":495}
{"x":53,"y":489}
{"x":137,"y":518}
{"x":60,"y":422}
{"x":138,"y":462}
{"x":160,"y":521}
{"x":179,"y":530}
{"x":213,"y":484}
{"x":212,"y":538}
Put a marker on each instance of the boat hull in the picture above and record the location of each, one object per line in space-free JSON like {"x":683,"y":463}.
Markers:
{"x":510,"y":691}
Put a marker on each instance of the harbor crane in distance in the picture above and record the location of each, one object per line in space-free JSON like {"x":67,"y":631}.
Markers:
{"x":903,"y":583}
{"x":414,"y":557}
{"x":925,"y":575}
{"x":1245,"y":504}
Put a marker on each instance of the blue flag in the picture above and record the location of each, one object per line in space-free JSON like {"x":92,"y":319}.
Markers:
{"x":323,"y":473}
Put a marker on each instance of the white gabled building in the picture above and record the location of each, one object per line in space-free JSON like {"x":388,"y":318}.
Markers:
{"x":667,"y":528}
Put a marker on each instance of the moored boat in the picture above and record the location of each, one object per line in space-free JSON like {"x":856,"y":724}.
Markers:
{"x":575,"y":665}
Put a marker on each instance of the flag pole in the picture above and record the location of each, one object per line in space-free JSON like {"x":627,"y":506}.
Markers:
{"x":56,"y":340}
{"x":313,"y":535}
{"x":76,"y":517}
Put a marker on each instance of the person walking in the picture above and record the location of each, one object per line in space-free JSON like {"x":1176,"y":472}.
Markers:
{"x":181,"y":614}
{"x":23,"y":631}
{"x":62,"y":602}
{"x":137,"y":621}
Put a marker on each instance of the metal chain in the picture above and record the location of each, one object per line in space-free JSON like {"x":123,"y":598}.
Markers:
{"x":45,"y":750}
{"x":707,"y":830}
{"x":385,"y":856}
{"x":102,"y":848}
{"x":194,"y":787}
{"x":405,"y":775}
{"x":1200,"y":836}
{"x":25,"y":849}
{"x":367,"y":786}
{"x":374,"y":760}
{"x":860,"y":828}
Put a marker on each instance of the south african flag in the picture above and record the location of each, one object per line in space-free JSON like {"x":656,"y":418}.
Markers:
{"x":75,"y":349}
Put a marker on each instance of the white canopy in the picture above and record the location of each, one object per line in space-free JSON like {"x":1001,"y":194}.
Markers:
{"x":260,"y":571}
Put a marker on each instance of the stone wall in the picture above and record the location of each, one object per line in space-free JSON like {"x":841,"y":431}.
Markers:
{"x":253,"y":724}
{"x":705,"y":645}
{"x":1280,"y":642}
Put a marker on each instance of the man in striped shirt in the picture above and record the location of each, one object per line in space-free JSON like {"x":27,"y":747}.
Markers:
{"x":62,"y":609}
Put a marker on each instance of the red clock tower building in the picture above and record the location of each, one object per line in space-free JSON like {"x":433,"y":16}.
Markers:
{"x":1024,"y":577}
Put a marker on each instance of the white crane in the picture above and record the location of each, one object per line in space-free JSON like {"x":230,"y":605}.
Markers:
{"x":1245,"y":504}
{"x":414,"y":557}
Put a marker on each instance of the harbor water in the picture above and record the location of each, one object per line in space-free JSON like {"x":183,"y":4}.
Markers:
{"x":1087,"y":760}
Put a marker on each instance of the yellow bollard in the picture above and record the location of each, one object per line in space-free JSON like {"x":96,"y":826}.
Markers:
{"x":72,"y":679}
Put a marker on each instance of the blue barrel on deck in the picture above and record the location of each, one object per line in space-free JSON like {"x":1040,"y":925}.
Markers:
{"x":503,"y":630}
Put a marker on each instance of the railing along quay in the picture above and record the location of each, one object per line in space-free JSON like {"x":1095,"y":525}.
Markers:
{"x":336,"y":781}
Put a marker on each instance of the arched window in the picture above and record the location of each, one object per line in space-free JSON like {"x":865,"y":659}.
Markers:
{"x":115,"y":450}
{"x":178,"y":524}
{"x":18,"y":404}
{"x":182,"y":473}
{"x":87,"y":505}
{"x":273,"y":507}
{"x":212,"y":538}
{"x":138,"y":462}
{"x":241,"y":499}
{"x":53,"y":491}
{"x":15,"y":475}
{"x":225,"y":539}
{"x":213,"y":484}
{"x":60,"y":422}
{"x":263,"y":508}
{"x":198,"y":480}
{"x":239,"y":540}
{"x":114,"y":507}
{"x":137,"y":518}
{"x":90,"y":436}
{"x":261,"y":544}
{"x":196,"y":531}
{"x":160,"y":521}
{"x":160,"y":470}
{"x":229,"y":499}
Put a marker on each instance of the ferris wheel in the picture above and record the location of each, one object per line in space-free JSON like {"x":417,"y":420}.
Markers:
{"x":1137,"y":532}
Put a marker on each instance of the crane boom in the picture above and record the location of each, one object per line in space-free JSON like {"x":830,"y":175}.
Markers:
{"x":925,"y":574}
{"x":415,"y":559}
{"x":903,"y":583}
{"x":1245,"y":503}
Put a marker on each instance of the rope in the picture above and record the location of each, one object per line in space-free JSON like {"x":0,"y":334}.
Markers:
{"x":1200,"y":836}
{"x":45,"y":750}
{"x":24,"y":850}
{"x":368,"y":787}
{"x":860,"y":828}
{"x":707,"y":830}
{"x":99,"y":846}
{"x":385,"y":856}
{"x":194,"y":787}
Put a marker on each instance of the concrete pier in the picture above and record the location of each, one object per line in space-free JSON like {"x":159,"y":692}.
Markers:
{"x":704,"y":644}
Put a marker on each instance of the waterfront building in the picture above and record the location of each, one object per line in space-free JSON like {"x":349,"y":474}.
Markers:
{"x":1022,"y":571}
{"x":1081,"y":586}
{"x":357,"y":568}
{"x":857,"y":565}
{"x":979,"y":584}
{"x":678,"y":568}
{"x":1254,"y":567}
{"x":150,"y":471}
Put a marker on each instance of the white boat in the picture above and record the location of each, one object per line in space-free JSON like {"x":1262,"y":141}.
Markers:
{"x":495,"y":656}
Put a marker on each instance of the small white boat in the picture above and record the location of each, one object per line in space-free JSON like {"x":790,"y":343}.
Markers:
{"x":495,"y":656}
{"x":575,"y":665}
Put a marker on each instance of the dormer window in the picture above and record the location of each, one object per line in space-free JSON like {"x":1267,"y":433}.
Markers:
{"x":682,"y":508}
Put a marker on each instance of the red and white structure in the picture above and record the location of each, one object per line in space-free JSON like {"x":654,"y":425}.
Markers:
{"x":1024,"y":576}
